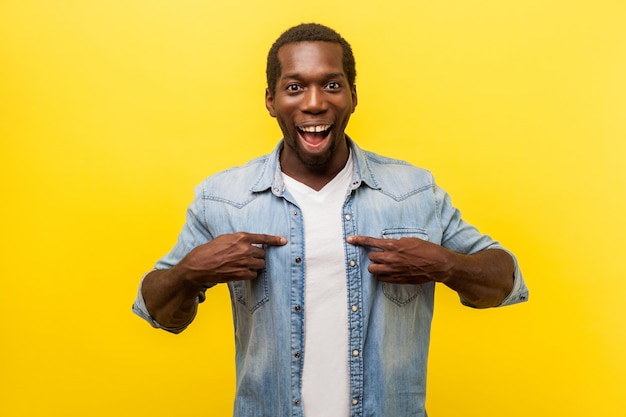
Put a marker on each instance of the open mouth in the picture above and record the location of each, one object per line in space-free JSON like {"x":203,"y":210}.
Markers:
{"x":314,"y":135}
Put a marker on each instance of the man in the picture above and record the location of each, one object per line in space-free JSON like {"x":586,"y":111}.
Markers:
{"x":330,"y":254}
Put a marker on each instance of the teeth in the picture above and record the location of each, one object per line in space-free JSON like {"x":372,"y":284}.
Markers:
{"x":315,"y":129}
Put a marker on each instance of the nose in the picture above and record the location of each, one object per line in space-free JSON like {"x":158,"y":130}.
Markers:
{"x":313,"y":101}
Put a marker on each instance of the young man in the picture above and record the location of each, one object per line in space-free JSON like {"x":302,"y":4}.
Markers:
{"x":330,"y":253}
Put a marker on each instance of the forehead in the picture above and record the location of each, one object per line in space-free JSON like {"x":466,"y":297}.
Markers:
{"x":304,"y":57}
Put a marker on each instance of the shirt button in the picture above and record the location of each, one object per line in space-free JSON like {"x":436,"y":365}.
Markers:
{"x":352,"y":263}
{"x":355,"y":309}
{"x":295,"y":213}
{"x":297,"y":308}
{"x":297,"y":355}
{"x":355,"y":353}
{"x":355,"y":401}
{"x":348,"y":217}
{"x":298,"y":260}
{"x":296,"y":403}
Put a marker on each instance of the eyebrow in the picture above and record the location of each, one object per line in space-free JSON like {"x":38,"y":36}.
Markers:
{"x":329,"y":75}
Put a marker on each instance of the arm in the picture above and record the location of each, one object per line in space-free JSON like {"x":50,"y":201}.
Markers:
{"x":169,"y":298}
{"x":483,"y":279}
{"x":171,"y":295}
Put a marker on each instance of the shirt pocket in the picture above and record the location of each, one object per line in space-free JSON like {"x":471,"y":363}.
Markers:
{"x":252,"y":294}
{"x":402,"y":294}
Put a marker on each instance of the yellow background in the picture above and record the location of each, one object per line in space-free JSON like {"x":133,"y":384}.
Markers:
{"x":112,"y":111}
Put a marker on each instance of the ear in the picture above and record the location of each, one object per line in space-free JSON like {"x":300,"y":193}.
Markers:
{"x":269,"y":103}
{"x":354,"y":98}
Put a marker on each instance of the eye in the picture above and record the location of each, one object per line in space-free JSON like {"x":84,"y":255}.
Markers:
{"x":333,"y":85}
{"x":293,"y":88}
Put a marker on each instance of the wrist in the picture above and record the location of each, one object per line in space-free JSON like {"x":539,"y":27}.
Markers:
{"x":186,"y":278}
{"x":458,"y":266}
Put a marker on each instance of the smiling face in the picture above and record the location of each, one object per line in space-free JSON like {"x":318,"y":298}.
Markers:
{"x":312,"y":103}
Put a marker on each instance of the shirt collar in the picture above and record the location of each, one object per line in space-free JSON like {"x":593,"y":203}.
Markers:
{"x":270,"y":176}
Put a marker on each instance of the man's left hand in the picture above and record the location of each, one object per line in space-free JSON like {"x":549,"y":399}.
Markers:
{"x":406,"y":260}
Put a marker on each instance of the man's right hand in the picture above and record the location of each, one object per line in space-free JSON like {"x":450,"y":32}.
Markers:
{"x":171,"y":294}
{"x":231,"y":257}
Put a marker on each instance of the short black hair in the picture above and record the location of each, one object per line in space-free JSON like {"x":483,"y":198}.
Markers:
{"x":308,"y":32}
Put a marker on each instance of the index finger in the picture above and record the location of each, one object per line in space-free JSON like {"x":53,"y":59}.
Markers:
{"x":264,"y":239}
{"x":368,"y":241}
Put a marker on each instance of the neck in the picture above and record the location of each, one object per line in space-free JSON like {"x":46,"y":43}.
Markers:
{"x":314,"y":176}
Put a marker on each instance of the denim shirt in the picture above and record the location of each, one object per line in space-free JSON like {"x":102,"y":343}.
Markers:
{"x":389,"y":324}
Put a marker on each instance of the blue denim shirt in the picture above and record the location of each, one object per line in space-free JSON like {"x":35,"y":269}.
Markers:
{"x":389,"y":324}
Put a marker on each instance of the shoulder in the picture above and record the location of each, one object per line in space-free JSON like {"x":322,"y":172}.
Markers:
{"x":249,"y":169}
{"x":234,"y":184}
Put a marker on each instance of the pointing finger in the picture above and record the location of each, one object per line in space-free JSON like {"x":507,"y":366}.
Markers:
{"x":264,"y":239}
{"x":367,"y":241}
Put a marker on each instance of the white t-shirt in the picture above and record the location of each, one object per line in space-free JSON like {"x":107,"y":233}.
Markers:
{"x":325,"y":380}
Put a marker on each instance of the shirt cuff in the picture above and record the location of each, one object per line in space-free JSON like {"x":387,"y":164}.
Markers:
{"x":519,"y":293}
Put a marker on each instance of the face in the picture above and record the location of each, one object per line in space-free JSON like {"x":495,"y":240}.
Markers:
{"x":312,"y":104}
